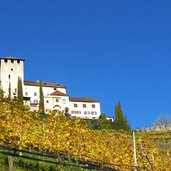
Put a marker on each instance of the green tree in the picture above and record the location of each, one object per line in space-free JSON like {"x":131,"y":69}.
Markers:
{"x":41,"y":100}
{"x":66,"y":112}
{"x":120,"y":121}
{"x":1,"y":94}
{"x":103,"y":116}
{"x":20,"y":92}
{"x":9,"y":90}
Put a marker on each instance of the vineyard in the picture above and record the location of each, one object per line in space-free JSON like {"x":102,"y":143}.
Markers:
{"x":55,"y":134}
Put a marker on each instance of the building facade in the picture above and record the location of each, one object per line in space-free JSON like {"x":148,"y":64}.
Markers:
{"x":10,"y":70}
{"x":55,"y":95}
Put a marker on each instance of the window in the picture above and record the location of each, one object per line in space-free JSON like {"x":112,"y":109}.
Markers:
{"x":76,"y":112}
{"x":26,"y":93}
{"x":63,"y":101}
{"x":84,"y":105}
{"x":92,"y":113}
{"x":93,"y":105}
{"x":75,"y":105}
{"x":9,"y":76}
{"x":54,"y":88}
{"x":85,"y":112}
{"x":35,"y":101}
{"x":5,"y":60}
{"x":35,"y":94}
{"x":47,"y":110}
{"x":47,"y":101}
{"x":11,"y":69}
{"x":18,"y":61}
{"x":57,"y":100}
{"x":12,"y":61}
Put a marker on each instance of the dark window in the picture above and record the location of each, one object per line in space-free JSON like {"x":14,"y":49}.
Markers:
{"x":93,"y":105}
{"x":11,"y":69}
{"x":18,"y":61}
{"x":26,"y":93}
{"x":84,"y":105}
{"x":54,"y":88}
{"x":75,"y":105}
{"x":47,"y":101}
{"x":35,"y":94}
{"x":12,"y":60}
{"x":57,"y":100}
{"x":5,"y":60}
{"x":9,"y":76}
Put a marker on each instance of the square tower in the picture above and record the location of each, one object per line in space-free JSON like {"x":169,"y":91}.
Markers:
{"x":10,"y":69}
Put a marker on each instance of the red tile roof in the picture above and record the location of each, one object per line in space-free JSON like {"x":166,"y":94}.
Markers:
{"x":11,"y":57}
{"x":44,"y":84}
{"x":82,"y":99}
{"x":58,"y":93}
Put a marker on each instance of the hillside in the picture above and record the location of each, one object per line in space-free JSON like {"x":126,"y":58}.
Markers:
{"x":56,"y":134}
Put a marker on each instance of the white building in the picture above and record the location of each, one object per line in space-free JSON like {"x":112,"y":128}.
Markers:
{"x":84,"y":107}
{"x":10,"y":70}
{"x":55,"y":95}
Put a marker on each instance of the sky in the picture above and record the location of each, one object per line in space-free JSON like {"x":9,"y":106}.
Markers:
{"x":106,"y":49}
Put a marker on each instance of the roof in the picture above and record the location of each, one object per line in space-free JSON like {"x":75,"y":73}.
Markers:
{"x":11,"y":57}
{"x":82,"y":99}
{"x":58,"y":93}
{"x":44,"y":84}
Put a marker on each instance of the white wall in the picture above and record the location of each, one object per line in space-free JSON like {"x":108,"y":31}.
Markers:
{"x":9,"y":72}
{"x":85,"y":112}
{"x":33,"y":92}
{"x":50,"y":102}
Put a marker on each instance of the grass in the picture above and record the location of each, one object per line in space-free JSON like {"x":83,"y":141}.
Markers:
{"x":29,"y":165}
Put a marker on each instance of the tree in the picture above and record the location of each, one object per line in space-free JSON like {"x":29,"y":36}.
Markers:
{"x":9,"y":90}
{"x":41,"y":100}
{"x":66,"y":112}
{"x":120,"y":121}
{"x":103,"y":116}
{"x":1,"y":94}
{"x":164,"y":122}
{"x":20,"y":92}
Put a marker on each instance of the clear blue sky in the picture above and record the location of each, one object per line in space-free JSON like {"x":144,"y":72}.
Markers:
{"x":109,"y":50}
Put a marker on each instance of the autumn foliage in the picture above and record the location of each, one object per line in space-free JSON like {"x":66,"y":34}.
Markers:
{"x":20,"y":127}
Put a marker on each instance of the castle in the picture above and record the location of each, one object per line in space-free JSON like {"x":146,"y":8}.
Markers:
{"x":55,"y":95}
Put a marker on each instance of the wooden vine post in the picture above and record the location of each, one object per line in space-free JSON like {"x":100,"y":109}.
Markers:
{"x":10,"y":163}
{"x":135,"y":153}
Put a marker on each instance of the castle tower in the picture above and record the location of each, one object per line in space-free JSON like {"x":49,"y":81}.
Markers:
{"x":10,"y":69}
